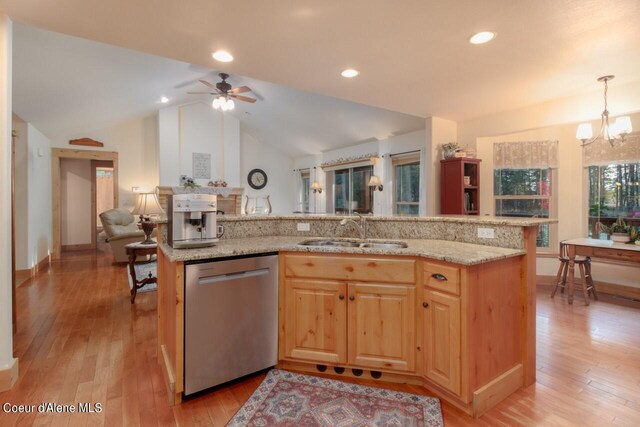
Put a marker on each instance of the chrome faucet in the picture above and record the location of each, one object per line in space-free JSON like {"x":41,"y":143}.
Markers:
{"x":362,"y":226}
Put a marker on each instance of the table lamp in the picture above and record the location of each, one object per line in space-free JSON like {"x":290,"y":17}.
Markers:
{"x":147,"y":204}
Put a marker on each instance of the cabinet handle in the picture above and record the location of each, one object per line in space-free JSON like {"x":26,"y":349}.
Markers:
{"x":341,"y":297}
{"x":352,"y":297}
{"x":439,"y":277}
{"x":425,"y":304}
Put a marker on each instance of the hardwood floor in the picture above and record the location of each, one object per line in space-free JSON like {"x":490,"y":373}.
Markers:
{"x":80,"y":340}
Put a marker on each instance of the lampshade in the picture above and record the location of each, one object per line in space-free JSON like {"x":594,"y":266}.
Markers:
{"x":623,"y":125}
{"x":315,"y":185}
{"x":147,"y":204}
{"x":584,"y":131}
{"x":374,"y":181}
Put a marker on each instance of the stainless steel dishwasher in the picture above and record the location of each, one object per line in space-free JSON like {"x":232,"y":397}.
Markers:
{"x":231,"y":320}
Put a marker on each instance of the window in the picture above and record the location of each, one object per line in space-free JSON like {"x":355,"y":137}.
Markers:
{"x":406,"y":183}
{"x":351,"y":191}
{"x":525,"y":193}
{"x":306,"y":187}
{"x":614,"y":191}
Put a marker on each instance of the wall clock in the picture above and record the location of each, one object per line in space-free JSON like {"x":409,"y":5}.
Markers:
{"x":257,"y":179}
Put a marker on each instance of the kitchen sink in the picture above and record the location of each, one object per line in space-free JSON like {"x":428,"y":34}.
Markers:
{"x":353,"y":244}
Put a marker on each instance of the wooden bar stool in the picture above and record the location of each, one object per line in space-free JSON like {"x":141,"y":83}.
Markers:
{"x":584,"y":265}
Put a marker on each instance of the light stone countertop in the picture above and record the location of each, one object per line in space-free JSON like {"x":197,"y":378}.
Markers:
{"x":468,"y":219}
{"x":455,"y":252}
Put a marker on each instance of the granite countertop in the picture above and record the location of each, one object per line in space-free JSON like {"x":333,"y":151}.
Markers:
{"x":455,"y":252}
{"x":470,"y":219}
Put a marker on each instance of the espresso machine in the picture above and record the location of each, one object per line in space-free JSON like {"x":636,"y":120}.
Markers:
{"x":192,"y":221}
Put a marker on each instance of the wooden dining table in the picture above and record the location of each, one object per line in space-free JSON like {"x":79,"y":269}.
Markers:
{"x":596,"y":248}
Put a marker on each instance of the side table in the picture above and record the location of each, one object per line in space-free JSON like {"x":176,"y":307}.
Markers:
{"x":134,"y":250}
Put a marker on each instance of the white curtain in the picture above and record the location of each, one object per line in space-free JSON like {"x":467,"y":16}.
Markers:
{"x":422,"y":206}
{"x":601,"y":153}
{"x":387,"y":181}
{"x":297,"y":180}
{"x":525,"y":155}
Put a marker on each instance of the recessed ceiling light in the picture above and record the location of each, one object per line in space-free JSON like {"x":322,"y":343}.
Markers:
{"x":164,"y":99}
{"x":222,"y":56}
{"x":482,"y":37}
{"x":349,"y":73}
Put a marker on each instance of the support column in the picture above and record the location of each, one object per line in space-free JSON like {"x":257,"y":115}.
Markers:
{"x":8,"y":364}
{"x":438,"y":131}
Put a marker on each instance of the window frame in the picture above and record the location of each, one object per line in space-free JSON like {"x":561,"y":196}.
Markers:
{"x":401,"y":161}
{"x":551,"y":198}
{"x":350,"y":188}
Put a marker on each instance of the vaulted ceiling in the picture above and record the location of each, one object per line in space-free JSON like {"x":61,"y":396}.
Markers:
{"x":413,"y":54}
{"x":66,"y":85}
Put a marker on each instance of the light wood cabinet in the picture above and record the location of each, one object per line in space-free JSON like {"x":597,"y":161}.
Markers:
{"x":350,"y":321}
{"x":442,"y":338}
{"x":316,"y":320}
{"x":382,"y":326}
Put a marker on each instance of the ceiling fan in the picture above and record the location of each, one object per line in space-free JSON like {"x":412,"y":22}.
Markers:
{"x":223,"y":92}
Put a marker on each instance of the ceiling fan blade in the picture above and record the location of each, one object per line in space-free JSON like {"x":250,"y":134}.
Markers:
{"x":243,"y":98}
{"x":241,"y":89}
{"x":206,"y":83}
{"x":205,"y":93}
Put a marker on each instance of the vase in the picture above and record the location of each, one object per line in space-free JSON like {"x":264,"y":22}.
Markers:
{"x":448,"y":154}
{"x":620,"y":237}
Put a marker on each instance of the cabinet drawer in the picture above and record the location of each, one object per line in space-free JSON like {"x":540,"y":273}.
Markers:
{"x":442,"y":277}
{"x":372,"y":269}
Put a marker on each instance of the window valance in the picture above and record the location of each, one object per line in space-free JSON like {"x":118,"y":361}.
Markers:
{"x":349,"y":162}
{"x":601,"y":153}
{"x":525,"y":154}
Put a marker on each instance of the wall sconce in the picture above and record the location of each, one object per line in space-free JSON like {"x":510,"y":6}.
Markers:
{"x":315,"y":187}
{"x":375,"y":183}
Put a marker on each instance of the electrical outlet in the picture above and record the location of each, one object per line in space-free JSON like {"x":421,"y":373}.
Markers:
{"x":486,"y":233}
{"x":304,"y":226}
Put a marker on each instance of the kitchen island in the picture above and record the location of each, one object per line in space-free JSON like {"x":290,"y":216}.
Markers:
{"x":451,"y":311}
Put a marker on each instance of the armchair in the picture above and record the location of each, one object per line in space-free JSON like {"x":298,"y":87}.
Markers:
{"x":121,"y":229}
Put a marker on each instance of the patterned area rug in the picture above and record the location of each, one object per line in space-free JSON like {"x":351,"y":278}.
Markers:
{"x":142,"y":271}
{"x":289,"y":399}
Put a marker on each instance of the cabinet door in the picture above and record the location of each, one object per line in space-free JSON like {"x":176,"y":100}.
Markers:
{"x":442,"y":337}
{"x":382,"y":326}
{"x":315,"y":325}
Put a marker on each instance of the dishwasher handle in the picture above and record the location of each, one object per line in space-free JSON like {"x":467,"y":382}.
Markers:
{"x":207,"y":280}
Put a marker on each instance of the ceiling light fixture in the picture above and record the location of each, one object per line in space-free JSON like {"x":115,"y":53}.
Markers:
{"x":349,"y":73}
{"x":164,"y":99}
{"x":223,"y":103}
{"x":482,"y":37}
{"x":222,"y":56}
{"x":621,"y":128}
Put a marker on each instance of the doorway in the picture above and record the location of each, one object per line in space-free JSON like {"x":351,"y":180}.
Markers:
{"x":76,"y":199}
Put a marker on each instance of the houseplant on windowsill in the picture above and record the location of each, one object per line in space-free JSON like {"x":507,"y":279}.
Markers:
{"x":618,"y":231}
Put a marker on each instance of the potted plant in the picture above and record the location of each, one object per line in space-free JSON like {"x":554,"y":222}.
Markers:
{"x":619,"y":230}
{"x":449,"y":150}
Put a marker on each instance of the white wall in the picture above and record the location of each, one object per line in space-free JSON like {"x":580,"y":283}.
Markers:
{"x":75,"y":202}
{"x":278,"y":167}
{"x":39,"y":167}
{"x":135,"y":141}
{"x":7,"y":362}
{"x":198,"y":128}
{"x":21,"y":195}
{"x":572,"y":198}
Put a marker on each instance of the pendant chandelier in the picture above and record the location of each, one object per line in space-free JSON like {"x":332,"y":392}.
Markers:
{"x":612,"y":133}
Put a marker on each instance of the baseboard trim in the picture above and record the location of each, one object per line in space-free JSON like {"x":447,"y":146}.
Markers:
{"x":169,"y":377}
{"x":497,"y":390}
{"x":30,"y":273}
{"x":602,"y":287}
{"x":9,"y":375}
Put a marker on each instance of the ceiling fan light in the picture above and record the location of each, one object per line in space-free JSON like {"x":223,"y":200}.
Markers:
{"x":584,"y":132}
{"x":216,"y":103}
{"x":230,"y":104}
